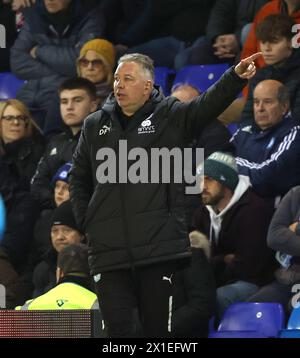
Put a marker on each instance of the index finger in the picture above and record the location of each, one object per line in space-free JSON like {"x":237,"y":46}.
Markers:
{"x":253,"y":57}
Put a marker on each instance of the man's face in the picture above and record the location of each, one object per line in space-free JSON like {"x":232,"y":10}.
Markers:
{"x":185,"y":93}
{"x":276,"y":51}
{"x":268,"y":111}
{"x":75,"y":106}
{"x":212,"y":191}
{"x":131,"y":88}
{"x":63,"y":235}
{"x":54,"y":6}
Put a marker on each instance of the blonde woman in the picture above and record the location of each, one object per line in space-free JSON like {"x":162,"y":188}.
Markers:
{"x":96,"y":63}
{"x":21,"y":142}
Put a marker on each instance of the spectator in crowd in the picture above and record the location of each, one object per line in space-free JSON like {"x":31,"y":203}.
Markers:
{"x":21,"y":4}
{"x":74,"y":288}
{"x":268,"y":150}
{"x":283,"y":236}
{"x":96,"y":62}
{"x":282,"y":61}
{"x":21,"y":142}
{"x":137,"y":232}
{"x":77,"y":101}
{"x":235,"y":221}
{"x":223,"y":39}
{"x":41,"y":240}
{"x":64,"y":231}
{"x":159,"y":29}
{"x":289,"y":7}
{"x":214,"y":137}
{"x":46,"y":50}
{"x":194,"y":296}
{"x":21,"y":214}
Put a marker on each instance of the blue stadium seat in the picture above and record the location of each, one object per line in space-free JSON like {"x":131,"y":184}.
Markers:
{"x":2,"y":218}
{"x":249,"y":319}
{"x":294,"y":320}
{"x":162,"y":78}
{"x":236,"y":334}
{"x":202,"y":76}
{"x":289,"y":333}
{"x":9,"y":85}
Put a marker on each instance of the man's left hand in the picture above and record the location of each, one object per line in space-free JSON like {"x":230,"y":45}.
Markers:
{"x":246,"y":69}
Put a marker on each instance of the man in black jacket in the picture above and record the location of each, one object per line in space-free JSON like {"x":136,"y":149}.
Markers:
{"x":77,"y":100}
{"x":137,"y":231}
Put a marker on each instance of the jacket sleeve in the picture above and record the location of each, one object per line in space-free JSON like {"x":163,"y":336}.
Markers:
{"x":194,"y":115}
{"x":247,"y":114}
{"x":22,"y":64}
{"x":267,"y":177}
{"x":81,"y":185}
{"x":41,"y":181}
{"x":252,"y":254}
{"x":295,"y":108}
{"x":63,"y":58}
{"x":222,"y":19}
{"x":280,"y":237}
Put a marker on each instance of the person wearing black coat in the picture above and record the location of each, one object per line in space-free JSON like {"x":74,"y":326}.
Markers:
{"x":77,"y":100}
{"x":137,"y":232}
{"x":21,"y":142}
{"x":64,"y":231}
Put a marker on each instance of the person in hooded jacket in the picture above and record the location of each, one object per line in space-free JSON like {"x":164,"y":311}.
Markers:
{"x":46,"y":50}
{"x":235,"y":221}
{"x":136,"y":230}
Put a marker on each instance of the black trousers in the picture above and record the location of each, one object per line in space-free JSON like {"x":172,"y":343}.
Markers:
{"x":146,"y":290}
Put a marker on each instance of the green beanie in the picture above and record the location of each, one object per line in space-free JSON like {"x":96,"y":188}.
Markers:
{"x":222,"y":168}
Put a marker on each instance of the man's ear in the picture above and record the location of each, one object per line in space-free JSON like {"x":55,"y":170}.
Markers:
{"x":94,"y":105}
{"x":148,"y":86}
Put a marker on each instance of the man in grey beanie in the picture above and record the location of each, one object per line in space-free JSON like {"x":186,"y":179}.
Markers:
{"x":235,"y":221}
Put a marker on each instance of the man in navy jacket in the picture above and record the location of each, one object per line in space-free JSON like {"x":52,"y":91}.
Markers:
{"x":268,"y":151}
